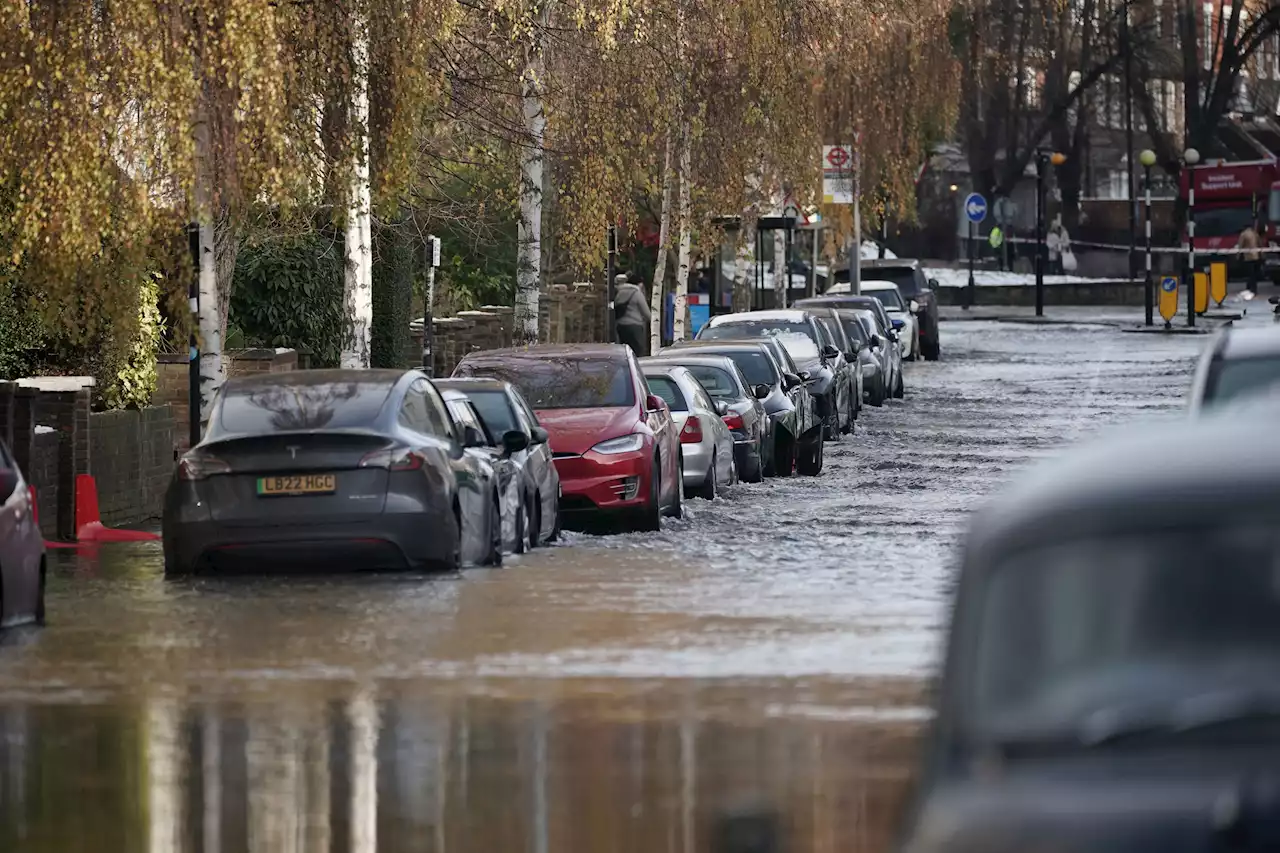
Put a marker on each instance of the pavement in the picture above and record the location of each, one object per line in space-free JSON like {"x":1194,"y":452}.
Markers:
{"x":608,"y":693}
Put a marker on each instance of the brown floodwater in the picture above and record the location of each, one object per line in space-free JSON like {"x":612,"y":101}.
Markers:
{"x":758,"y":667}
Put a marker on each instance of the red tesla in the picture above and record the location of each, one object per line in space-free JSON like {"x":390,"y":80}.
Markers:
{"x":614,"y":444}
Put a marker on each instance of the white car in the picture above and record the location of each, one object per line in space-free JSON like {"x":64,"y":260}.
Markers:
{"x":898,"y":309}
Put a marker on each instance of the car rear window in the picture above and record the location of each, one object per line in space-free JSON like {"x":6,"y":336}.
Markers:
{"x":715,"y":381}
{"x":286,"y":406}
{"x":495,"y":410}
{"x":888,"y":298}
{"x":667,"y":389}
{"x":904,"y":277}
{"x":562,"y":382}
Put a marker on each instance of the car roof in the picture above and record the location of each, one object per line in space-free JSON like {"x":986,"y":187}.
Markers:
{"x":312,"y":378}
{"x":1250,"y":343}
{"x":451,"y":394}
{"x":884,"y":263}
{"x":743,"y":344}
{"x":474,"y":383}
{"x":790,"y":315}
{"x":877,"y":284}
{"x":1137,"y":477}
{"x":838,"y":300}
{"x":704,"y":360}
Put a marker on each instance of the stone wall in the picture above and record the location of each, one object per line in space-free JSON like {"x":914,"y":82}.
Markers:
{"x":173,"y":382}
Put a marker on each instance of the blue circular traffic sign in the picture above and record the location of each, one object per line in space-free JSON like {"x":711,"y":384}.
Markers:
{"x":1169,"y":284}
{"x":975,"y":207}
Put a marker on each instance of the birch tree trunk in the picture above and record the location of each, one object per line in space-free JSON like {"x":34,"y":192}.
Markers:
{"x":529,"y":233}
{"x":357,"y":290}
{"x":780,"y":272}
{"x":664,"y":237}
{"x":681,"y":308}
{"x":210,"y":320}
{"x":744,"y":280}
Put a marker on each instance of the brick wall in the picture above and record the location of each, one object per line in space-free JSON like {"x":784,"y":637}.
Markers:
{"x":173,"y":381}
{"x":42,"y":472}
{"x":132,"y":460}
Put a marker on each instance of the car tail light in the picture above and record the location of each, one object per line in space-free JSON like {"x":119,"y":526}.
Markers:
{"x":393,"y":459}
{"x":692,"y":432}
{"x":197,"y":465}
{"x":734,"y":421}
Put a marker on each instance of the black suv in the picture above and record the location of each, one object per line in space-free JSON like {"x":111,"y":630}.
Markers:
{"x":910,"y":278}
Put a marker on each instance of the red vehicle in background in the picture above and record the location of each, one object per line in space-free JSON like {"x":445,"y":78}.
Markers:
{"x":1231,"y":196}
{"x":614,"y":444}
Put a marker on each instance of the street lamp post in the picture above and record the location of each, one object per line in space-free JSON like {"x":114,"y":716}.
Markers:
{"x":1190,"y":158}
{"x":1148,"y":159}
{"x":1043,"y":160}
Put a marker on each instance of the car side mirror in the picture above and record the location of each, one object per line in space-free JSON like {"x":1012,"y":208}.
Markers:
{"x":792,"y":380}
{"x":875,"y":343}
{"x":933,"y":284}
{"x":722,"y":408}
{"x":898,"y":324}
{"x":763,"y":391}
{"x":513,"y":441}
{"x":830,"y":353}
{"x":654,"y":403}
{"x":8,"y":483}
{"x":805,"y":376}
{"x":471,"y":437}
{"x":852,"y":355}
{"x":1275,"y":300}
{"x":540,"y":436}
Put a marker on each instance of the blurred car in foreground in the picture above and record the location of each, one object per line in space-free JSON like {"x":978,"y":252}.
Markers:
{"x":355,"y":469}
{"x":22,"y":558}
{"x":613,"y":442}
{"x":1111,"y":677}
{"x":503,"y":409}
{"x":745,"y":417}
{"x":706,"y":444}
{"x":1235,"y":363}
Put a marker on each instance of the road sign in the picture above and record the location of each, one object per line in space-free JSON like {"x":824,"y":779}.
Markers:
{"x":1218,"y":281}
{"x":1005,"y":210}
{"x":1169,"y":298}
{"x":975,"y":207}
{"x":837,"y":174}
{"x":996,"y":237}
{"x":1202,"y":293}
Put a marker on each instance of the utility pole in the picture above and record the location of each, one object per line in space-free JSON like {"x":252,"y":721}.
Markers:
{"x":1130,"y":195}
{"x":428,"y":327}
{"x":855,"y":257}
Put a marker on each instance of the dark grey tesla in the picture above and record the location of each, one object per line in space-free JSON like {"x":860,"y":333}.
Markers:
{"x":358,"y":469}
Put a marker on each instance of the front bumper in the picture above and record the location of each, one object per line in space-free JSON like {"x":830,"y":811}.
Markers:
{"x":595,"y":482}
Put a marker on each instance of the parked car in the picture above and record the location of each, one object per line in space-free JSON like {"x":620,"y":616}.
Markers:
{"x":706,"y":444}
{"x":916,"y":287}
{"x":863,"y":347}
{"x":881,"y":327}
{"x":850,"y":362}
{"x":503,"y":409}
{"x":788,"y":409}
{"x":1235,"y":363}
{"x":1110,"y":678}
{"x":502,"y":476}
{"x":613,"y":442}
{"x":798,"y":331}
{"x":22,"y":556}
{"x":353,"y":468}
{"x":902,"y":319}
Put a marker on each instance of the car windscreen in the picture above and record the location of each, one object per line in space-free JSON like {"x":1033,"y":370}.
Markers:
{"x":495,"y":410}
{"x":301,"y":404}
{"x":1231,"y":379}
{"x":715,"y":381}
{"x":666,"y":388}
{"x":904,"y":277}
{"x":888,"y":298}
{"x":852,"y":328}
{"x":1068,"y":634}
{"x":562,"y":383}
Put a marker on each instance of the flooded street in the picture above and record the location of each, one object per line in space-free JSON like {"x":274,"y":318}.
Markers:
{"x":766,"y":653}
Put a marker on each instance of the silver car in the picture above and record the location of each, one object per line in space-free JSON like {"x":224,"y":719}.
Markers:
{"x":22,"y":564}
{"x":706,"y":445}
{"x":887,"y":349}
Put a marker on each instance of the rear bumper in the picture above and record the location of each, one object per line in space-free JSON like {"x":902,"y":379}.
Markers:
{"x":382,"y":541}
{"x":697,"y":461}
{"x":595,"y":482}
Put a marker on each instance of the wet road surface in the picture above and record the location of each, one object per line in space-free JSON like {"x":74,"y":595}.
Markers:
{"x":609,"y":694}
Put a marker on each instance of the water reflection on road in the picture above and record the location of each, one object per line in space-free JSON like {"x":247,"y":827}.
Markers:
{"x":617,"y":694}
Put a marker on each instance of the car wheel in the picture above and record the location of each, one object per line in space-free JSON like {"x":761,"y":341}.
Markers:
{"x":850,"y":423}
{"x":535,"y":522}
{"x":40,"y":620}
{"x":784,"y":454}
{"x":707,"y":491}
{"x":522,"y":528}
{"x":555,"y":531}
{"x":809,"y":461}
{"x":651,"y":515}
{"x":452,"y":562}
{"x":900,"y":389}
{"x":932,"y":350}
{"x":494,"y":557}
{"x":677,"y":501}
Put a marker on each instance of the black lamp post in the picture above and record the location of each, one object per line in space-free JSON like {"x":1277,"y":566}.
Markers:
{"x":1043,"y":160}
{"x":1190,"y":158}
{"x":1148,"y":159}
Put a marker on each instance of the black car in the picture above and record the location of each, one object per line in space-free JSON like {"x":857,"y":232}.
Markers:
{"x":724,"y":380}
{"x":357,"y":469}
{"x":503,"y":409}
{"x":1110,"y":679}
{"x":792,"y":412}
{"x":916,"y":288}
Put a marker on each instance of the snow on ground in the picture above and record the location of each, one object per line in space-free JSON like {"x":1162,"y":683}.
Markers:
{"x":992,"y":278}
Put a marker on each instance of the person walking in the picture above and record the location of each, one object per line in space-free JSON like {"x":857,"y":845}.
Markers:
{"x":1249,"y":245}
{"x":631,"y":314}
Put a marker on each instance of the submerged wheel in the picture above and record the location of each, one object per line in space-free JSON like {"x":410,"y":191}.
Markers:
{"x":707,"y":491}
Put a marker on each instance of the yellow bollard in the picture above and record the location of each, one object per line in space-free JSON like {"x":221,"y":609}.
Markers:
{"x":1169,"y":298}
{"x":1218,"y":281}
{"x":1202,"y":293}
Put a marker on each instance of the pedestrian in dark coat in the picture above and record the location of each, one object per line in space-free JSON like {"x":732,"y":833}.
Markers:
{"x":632,"y":315}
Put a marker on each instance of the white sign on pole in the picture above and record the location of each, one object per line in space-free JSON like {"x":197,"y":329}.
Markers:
{"x":837,"y":174}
